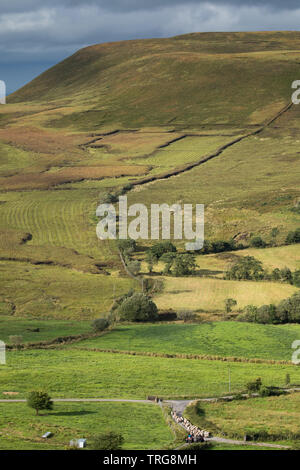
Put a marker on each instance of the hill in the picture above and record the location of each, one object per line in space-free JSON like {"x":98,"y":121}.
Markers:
{"x":204,"y":106}
{"x":190,"y":80}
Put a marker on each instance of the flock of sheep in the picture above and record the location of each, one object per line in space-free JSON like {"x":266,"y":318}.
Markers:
{"x":195,"y":433}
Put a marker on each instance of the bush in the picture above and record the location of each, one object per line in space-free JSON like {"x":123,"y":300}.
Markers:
{"x":134,"y":267}
{"x":265,"y":391}
{"x":257,"y":242}
{"x":109,"y":198}
{"x":293,"y":237}
{"x":229,"y":303}
{"x":220,"y":246}
{"x":107,"y":441}
{"x":286,"y":275}
{"x":100,"y":324}
{"x":186,"y":315}
{"x":127,"y":246}
{"x":137,"y":307}
{"x":254,"y":386}
{"x":296,"y":278}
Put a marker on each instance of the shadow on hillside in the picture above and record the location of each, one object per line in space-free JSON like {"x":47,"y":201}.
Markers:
{"x":72,"y":413}
{"x":206,"y":272}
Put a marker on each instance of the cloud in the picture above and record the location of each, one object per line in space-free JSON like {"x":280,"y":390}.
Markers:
{"x":131,"y":5}
{"x":46,"y":31}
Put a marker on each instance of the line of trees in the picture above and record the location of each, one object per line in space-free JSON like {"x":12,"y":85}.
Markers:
{"x":250,"y":268}
{"x":287,"y":311}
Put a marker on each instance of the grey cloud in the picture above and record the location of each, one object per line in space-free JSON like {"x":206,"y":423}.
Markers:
{"x":14,"y":6}
{"x":47,"y":31}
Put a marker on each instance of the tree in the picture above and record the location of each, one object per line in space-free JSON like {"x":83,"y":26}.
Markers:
{"x":184,"y":264}
{"x":39,"y":401}
{"x":151,"y":260}
{"x":257,"y":242}
{"x":229,"y":303}
{"x":100,"y":324}
{"x":134,"y":267}
{"x":274,"y":235}
{"x":286,"y":275}
{"x":267,"y":314}
{"x":296,"y":278}
{"x":293,"y":237}
{"x":138,"y":307}
{"x":127,"y":247}
{"x":287,"y":379}
{"x":248,"y":268}
{"x":168,"y":259}
{"x":109,"y":440}
{"x":276,"y":274}
{"x":249,"y":313}
{"x":158,"y":249}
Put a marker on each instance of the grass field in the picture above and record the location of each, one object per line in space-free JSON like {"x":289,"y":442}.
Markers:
{"x":142,"y":426}
{"x":274,"y":257}
{"x":219,"y":338}
{"x":144,"y":82}
{"x":49,"y":329}
{"x":276,"y":416}
{"x":73,"y":373}
{"x":249,"y":189}
{"x":209,"y":295}
{"x":51,"y":292}
{"x":107,"y":116}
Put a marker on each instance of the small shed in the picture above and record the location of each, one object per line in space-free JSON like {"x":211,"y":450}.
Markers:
{"x":78,"y":443}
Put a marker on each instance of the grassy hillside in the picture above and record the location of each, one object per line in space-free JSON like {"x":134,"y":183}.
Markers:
{"x":228,"y":339}
{"x":74,"y":373}
{"x":209,"y":295}
{"x":142,"y":426}
{"x":118,"y":113}
{"x":176,"y":81}
{"x":255,"y":416}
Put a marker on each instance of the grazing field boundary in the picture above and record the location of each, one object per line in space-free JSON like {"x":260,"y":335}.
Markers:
{"x":203,"y":357}
{"x":61,"y":340}
{"x":70,"y":339}
{"x":220,"y":150}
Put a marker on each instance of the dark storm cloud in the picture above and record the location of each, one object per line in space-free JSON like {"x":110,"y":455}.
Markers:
{"x":129,"y":5}
{"x":42,"y":32}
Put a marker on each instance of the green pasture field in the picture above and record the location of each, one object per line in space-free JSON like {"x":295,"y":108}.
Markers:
{"x":276,"y":416}
{"x":48,"y":329}
{"x":73,"y":373}
{"x":245,"y":340}
{"x":142,"y":425}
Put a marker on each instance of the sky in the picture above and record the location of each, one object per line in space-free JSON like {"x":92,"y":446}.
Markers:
{"x":36,"y":34}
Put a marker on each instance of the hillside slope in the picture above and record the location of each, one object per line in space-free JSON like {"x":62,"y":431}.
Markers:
{"x":191,"y":80}
{"x":113,"y":116}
